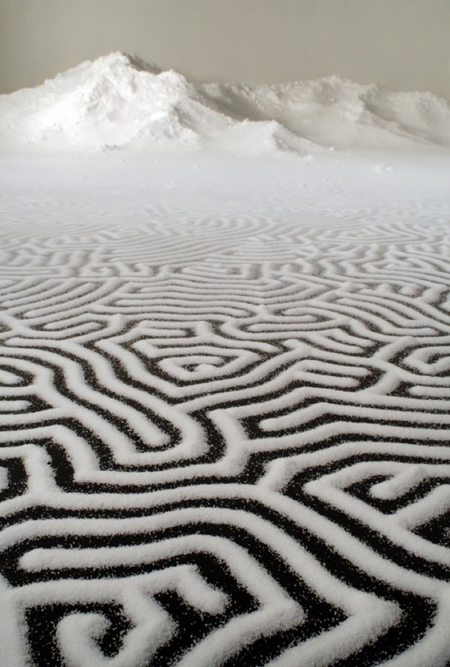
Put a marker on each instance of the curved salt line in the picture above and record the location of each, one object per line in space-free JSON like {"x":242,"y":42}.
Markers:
{"x":329,"y":489}
{"x":298,"y":559}
{"x":263,"y":327}
{"x":122,"y":448}
{"x":57,"y":294}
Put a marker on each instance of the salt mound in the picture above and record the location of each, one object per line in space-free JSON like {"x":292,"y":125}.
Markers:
{"x":112,"y":102}
{"x":335,"y":112}
{"x":120,"y":101}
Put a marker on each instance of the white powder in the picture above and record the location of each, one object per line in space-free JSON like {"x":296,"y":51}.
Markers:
{"x":119,"y":101}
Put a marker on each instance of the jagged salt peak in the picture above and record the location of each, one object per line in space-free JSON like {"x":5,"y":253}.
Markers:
{"x":119,"y":101}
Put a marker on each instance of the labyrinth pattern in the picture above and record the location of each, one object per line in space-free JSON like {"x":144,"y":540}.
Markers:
{"x":224,"y":440}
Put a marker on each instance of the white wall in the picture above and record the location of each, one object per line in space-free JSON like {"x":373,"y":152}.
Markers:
{"x":402,"y":44}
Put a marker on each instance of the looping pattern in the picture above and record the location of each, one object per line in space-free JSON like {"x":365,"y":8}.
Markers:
{"x":224,"y":441}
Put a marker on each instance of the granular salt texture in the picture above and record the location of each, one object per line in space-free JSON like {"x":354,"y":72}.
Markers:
{"x":118,"y":101}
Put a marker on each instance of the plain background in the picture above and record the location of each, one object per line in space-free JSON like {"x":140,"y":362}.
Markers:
{"x":402,"y":44}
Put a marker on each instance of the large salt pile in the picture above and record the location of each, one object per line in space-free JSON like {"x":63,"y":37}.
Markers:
{"x":335,"y":112}
{"x":118,"y":100}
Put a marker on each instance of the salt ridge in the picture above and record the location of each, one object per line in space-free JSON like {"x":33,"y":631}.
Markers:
{"x":224,"y":391}
{"x":119,"y":101}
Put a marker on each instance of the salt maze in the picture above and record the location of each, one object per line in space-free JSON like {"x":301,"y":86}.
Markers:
{"x":224,"y":438}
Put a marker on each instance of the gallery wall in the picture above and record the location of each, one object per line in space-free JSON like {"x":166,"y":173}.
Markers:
{"x":402,"y":44}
